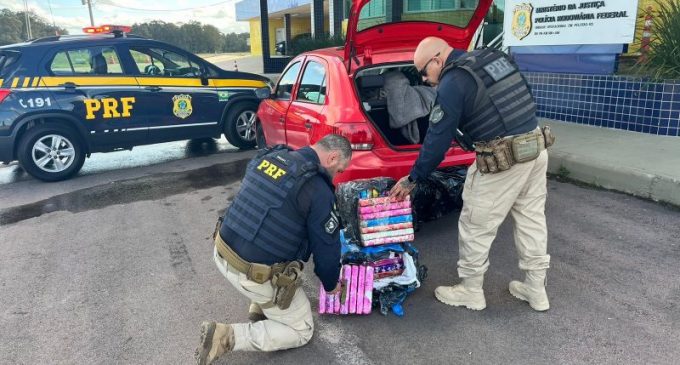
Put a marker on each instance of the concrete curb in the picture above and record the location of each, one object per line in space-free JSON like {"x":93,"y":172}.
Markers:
{"x":615,"y":177}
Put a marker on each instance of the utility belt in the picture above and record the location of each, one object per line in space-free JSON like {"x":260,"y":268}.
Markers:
{"x":285,"y":277}
{"x":501,"y":154}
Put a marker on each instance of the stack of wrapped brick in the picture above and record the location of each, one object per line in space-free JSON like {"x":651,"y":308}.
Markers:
{"x":381,"y":226}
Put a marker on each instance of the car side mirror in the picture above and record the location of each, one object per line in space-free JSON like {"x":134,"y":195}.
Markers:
{"x":263,"y":93}
{"x":204,"y":76}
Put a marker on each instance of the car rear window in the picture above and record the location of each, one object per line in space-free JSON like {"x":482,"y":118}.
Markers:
{"x":7,"y":59}
{"x":84,"y":61}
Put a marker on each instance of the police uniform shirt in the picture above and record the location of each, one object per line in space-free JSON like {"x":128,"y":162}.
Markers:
{"x":315,"y":201}
{"x":456,"y":94}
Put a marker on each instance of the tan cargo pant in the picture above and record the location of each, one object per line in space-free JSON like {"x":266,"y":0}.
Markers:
{"x":283,"y":329}
{"x":487,"y":200}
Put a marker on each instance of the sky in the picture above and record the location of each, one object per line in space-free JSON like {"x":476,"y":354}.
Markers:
{"x":73,"y":16}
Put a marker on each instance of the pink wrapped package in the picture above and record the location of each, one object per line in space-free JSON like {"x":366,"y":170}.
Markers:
{"x":386,"y":240}
{"x":385,"y":234}
{"x":386,"y":213}
{"x":383,"y":207}
{"x":368,"y":290}
{"x":353,"y":289}
{"x":388,"y":227}
{"x":379,"y":201}
{"x":346,"y":278}
{"x":360,"y":289}
{"x":358,"y":292}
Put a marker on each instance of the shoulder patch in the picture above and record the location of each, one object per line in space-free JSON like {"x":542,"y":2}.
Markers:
{"x":436,"y":114}
{"x":331,"y":223}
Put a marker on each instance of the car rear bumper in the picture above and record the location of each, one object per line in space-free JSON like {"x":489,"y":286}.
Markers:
{"x":390,"y":163}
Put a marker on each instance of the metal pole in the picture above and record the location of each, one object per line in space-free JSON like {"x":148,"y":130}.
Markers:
{"x":28,"y":21}
{"x":89,"y":7}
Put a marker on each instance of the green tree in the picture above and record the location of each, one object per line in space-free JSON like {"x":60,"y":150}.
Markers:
{"x":13,"y":27}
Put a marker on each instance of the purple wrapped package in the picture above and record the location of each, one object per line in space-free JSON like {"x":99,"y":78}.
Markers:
{"x":353,"y":289}
{"x":346,"y":278}
{"x":322,"y":300}
{"x":360,"y":289}
{"x":368,"y":290}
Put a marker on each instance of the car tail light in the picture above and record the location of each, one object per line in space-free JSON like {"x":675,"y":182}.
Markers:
{"x":358,"y":134}
{"x":3,"y":94}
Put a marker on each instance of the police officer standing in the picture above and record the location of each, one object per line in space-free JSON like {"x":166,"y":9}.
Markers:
{"x":485,"y":104}
{"x":283,"y":213}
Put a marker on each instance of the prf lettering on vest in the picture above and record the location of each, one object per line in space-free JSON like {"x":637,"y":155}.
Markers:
{"x":499,"y":69}
{"x":109,"y":107}
{"x":270,"y":169}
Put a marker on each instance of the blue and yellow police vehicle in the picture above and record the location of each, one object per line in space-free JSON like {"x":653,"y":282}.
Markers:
{"x":65,"y":97}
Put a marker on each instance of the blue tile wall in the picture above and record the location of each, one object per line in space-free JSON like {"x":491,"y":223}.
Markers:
{"x":619,"y":102}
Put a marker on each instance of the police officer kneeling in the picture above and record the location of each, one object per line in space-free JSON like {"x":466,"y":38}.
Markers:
{"x":485,"y":104}
{"x":283,"y":213}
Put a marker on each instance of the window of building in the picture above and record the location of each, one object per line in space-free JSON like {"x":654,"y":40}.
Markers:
{"x":374,"y":9}
{"x":84,"y":61}
{"x":313,"y":85}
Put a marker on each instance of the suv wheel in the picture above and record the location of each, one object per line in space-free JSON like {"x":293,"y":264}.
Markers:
{"x":239,"y":127}
{"x":51,"y":152}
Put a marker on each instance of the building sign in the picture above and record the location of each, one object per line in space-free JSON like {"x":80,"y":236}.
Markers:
{"x":555,"y":22}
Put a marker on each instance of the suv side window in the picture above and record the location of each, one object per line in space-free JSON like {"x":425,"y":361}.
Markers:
{"x":285,"y":86}
{"x":313,"y":85}
{"x":154,"y":61}
{"x":87,"y":61}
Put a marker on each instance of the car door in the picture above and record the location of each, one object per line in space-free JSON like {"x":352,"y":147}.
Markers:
{"x":177,"y":100}
{"x":306,"y":110}
{"x":273,"y":110}
{"x":91,"y":82}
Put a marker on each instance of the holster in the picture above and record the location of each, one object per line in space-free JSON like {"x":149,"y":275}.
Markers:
{"x":218,"y":225}
{"x":548,"y":136}
{"x":286,"y":283}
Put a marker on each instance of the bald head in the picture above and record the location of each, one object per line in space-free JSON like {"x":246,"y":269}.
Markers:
{"x":431,"y":53}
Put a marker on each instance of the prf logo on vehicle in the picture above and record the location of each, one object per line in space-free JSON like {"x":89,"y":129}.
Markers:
{"x":521,"y":20}
{"x":182,"y":106}
{"x":112,"y":107}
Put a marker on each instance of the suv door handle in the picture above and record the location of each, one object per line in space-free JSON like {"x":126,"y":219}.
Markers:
{"x":153,"y":88}
{"x":69,"y":85}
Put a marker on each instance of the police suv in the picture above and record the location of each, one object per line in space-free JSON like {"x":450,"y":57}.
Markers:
{"x":65,"y":97}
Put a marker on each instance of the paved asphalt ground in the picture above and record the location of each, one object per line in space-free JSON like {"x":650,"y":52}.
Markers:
{"x":120,"y":272}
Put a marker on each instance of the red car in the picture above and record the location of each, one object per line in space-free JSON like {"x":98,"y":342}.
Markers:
{"x":339,"y":89}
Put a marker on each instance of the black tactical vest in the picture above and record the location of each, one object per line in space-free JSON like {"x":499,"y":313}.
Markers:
{"x":503,"y":102}
{"x":264,"y":211}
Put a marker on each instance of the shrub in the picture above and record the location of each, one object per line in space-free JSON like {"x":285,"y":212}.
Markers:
{"x":663,"y":61}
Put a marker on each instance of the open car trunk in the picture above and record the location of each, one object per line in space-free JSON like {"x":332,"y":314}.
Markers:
{"x":370,"y":84}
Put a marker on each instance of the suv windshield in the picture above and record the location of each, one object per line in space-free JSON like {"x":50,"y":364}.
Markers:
{"x":7,"y":58}
{"x":452,"y":12}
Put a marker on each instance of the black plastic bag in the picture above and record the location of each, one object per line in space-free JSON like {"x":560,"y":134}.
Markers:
{"x":347,"y":201}
{"x":440,"y":194}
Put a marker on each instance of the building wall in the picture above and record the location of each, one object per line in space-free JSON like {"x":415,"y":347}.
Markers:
{"x":256,"y":35}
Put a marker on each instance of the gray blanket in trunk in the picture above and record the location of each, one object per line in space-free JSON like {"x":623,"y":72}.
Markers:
{"x":406,"y":103}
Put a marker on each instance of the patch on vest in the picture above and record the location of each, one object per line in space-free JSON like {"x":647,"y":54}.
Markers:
{"x":436,"y":114}
{"x":331,"y":224}
{"x":499,"y":69}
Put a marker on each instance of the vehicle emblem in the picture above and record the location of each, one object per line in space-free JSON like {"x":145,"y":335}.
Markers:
{"x":223,"y":95}
{"x":521,"y":20}
{"x":182,"y":106}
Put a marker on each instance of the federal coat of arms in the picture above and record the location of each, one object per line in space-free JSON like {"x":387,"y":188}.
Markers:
{"x":182,"y":106}
{"x":521,"y":20}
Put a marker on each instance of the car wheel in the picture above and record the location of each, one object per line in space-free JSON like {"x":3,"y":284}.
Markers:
{"x":51,"y":152}
{"x":239,"y":127}
{"x":259,"y":136}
